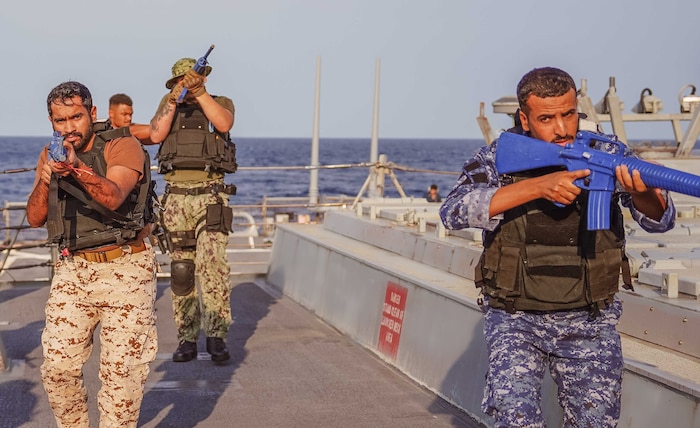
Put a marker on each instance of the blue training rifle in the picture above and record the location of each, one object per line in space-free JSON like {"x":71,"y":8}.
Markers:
{"x":199,"y":67}
{"x":516,"y":153}
{"x":56,"y":149}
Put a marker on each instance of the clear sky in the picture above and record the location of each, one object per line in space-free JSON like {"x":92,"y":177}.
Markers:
{"x":439,"y":58}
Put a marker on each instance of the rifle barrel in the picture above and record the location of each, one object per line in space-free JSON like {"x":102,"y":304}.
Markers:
{"x":665,"y":178}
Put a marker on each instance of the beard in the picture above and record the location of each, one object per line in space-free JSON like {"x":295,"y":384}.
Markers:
{"x":84,"y":138}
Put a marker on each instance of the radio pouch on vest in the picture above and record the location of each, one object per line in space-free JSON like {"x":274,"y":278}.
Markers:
{"x":553,"y":274}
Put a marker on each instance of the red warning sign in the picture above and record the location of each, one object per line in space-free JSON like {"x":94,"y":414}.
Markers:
{"x":392,"y":319}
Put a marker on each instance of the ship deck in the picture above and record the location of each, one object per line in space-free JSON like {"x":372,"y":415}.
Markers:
{"x":310,"y":344}
{"x":288,"y":369}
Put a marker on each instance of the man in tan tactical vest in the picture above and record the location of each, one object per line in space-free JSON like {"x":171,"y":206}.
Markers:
{"x":195,"y":153}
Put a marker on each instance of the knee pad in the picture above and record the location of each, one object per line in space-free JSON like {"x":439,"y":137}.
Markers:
{"x":182,"y":277}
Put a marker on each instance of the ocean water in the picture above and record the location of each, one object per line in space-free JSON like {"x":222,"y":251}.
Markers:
{"x":445,"y":155}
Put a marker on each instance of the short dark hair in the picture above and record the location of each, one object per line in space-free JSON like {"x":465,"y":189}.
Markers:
{"x":433,"y":186}
{"x":117,"y":99}
{"x":64,"y":92}
{"x":543,"y":82}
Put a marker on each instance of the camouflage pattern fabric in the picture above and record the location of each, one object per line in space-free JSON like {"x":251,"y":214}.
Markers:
{"x":584,"y":357}
{"x":520,"y":345}
{"x":120,"y":295}
{"x":211,"y":265}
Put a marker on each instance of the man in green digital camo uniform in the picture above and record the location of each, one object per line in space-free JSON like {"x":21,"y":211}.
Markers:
{"x":195,"y":153}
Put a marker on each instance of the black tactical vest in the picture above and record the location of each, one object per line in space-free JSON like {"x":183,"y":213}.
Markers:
{"x":542,"y":257}
{"x":193,"y":143}
{"x":76,"y":221}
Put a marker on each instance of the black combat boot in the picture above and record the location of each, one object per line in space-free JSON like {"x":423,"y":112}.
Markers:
{"x":217,"y":348}
{"x":185,"y":352}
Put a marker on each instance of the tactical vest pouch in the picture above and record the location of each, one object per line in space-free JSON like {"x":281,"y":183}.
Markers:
{"x":507,"y":268}
{"x":181,"y":240}
{"x":604,"y":273}
{"x":553,"y":274}
{"x":214,"y":146}
{"x":190,"y":143}
{"x":222,"y":152}
{"x":538,"y":228}
{"x":194,"y":144}
{"x":228,"y":159}
{"x":219,"y":218}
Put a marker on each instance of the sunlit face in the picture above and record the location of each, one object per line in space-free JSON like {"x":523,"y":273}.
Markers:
{"x":552,"y":119}
{"x":120,"y":115}
{"x":74,"y":121}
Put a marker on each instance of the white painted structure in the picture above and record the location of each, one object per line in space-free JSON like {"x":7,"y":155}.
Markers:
{"x":341,"y":269}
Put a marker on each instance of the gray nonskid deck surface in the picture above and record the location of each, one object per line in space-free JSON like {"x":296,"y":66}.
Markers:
{"x":288,"y":369}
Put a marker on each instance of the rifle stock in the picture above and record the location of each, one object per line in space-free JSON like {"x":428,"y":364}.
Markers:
{"x":513,"y":154}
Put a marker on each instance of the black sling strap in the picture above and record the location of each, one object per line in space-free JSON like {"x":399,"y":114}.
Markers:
{"x":84,"y":198}
{"x":54,"y":220}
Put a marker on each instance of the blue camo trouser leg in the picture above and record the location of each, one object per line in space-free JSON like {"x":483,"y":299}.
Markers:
{"x":584,"y":357}
{"x":588,"y":370}
{"x":514,"y":379}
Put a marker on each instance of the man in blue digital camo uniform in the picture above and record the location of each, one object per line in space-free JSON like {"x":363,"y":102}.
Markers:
{"x":95,"y":204}
{"x":195,"y":154}
{"x":549,"y":284}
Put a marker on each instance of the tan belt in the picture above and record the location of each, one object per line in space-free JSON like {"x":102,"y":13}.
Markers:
{"x":106,"y":254}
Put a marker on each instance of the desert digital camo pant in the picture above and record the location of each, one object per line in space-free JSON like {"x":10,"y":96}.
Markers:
{"x":182,"y":212}
{"x":119,"y":295}
{"x":584,"y":357}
